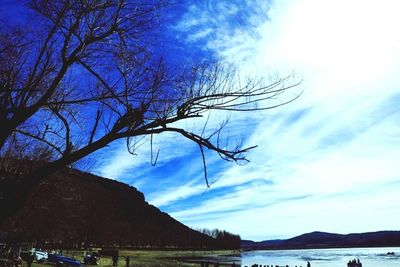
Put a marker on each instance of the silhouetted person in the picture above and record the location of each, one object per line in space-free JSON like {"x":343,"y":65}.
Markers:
{"x":308,"y":264}
{"x":115,"y":260}
{"x":354,"y":263}
{"x":29,"y":259}
{"x":127,"y":260}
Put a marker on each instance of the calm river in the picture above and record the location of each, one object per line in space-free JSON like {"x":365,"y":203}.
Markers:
{"x":369,"y":257}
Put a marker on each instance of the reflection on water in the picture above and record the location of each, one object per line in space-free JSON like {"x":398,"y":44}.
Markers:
{"x":369,"y":257}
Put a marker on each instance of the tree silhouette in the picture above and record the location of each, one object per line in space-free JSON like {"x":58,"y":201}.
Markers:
{"x":224,"y":239}
{"x":84,"y":75}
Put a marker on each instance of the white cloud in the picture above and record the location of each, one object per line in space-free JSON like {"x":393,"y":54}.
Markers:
{"x":329,"y":156}
{"x":343,"y":147}
{"x":165,"y":197}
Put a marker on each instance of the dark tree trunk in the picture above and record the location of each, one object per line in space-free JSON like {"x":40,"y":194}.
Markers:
{"x":4,"y":134}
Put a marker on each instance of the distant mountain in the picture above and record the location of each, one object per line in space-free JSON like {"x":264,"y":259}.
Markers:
{"x":73,"y":208}
{"x":249,"y":243}
{"x":329,"y":240}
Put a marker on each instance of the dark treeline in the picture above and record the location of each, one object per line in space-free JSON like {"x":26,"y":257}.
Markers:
{"x":223,"y":238}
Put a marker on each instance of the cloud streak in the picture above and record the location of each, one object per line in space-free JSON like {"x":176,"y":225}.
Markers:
{"x":324,"y":161}
{"x":338,"y":144}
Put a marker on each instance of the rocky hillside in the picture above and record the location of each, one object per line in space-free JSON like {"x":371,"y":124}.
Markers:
{"x":73,"y":208}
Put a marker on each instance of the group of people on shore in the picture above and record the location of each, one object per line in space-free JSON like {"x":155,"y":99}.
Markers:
{"x":115,"y":260}
{"x":354,"y":263}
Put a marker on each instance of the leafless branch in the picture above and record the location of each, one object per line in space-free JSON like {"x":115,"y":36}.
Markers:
{"x":87,"y":76}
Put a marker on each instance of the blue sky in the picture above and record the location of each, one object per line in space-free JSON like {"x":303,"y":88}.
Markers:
{"x":328,"y":161}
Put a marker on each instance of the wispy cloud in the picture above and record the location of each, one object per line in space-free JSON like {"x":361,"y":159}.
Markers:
{"x":329,"y":156}
{"x":334,"y":150}
{"x":165,"y":197}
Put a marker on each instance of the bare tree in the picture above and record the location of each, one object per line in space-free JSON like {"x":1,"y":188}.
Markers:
{"x":88,"y":77}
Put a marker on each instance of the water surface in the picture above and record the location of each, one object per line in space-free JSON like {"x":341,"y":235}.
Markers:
{"x":369,"y":257}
